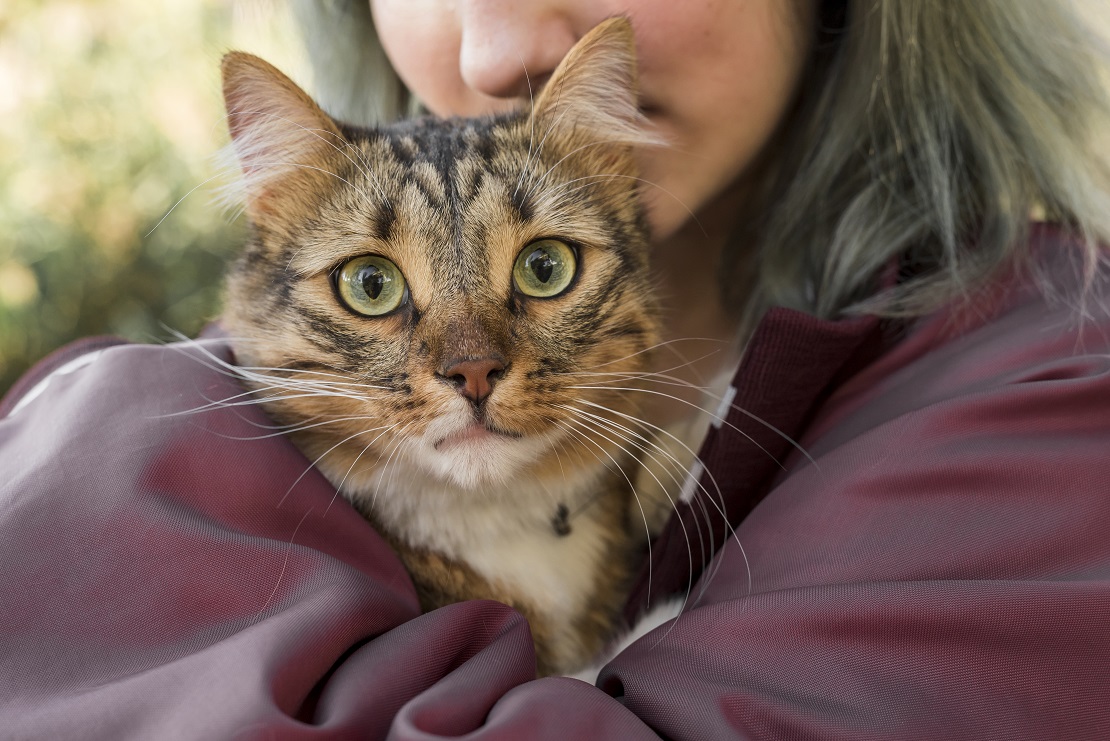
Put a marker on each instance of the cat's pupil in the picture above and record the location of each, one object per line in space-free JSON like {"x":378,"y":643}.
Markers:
{"x":541,"y":265}
{"x":373,"y":281}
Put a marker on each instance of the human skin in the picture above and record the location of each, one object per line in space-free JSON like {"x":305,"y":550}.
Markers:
{"x":715,"y":75}
{"x":716,"y":78}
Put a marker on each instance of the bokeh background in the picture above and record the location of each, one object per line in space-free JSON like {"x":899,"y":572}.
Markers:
{"x":111,"y":114}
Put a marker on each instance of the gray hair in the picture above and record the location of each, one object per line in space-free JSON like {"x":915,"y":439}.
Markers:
{"x":352,"y":78}
{"x":925,"y":135}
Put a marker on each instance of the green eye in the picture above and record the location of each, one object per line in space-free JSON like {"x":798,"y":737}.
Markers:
{"x":371,"y":285}
{"x":544,"y":269}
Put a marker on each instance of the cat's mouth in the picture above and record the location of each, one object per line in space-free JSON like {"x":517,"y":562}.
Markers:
{"x":474,"y":433}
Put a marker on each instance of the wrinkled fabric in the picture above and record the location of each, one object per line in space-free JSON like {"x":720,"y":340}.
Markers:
{"x":921,"y":551}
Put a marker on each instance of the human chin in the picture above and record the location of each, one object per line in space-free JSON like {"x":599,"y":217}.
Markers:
{"x":671,"y":197}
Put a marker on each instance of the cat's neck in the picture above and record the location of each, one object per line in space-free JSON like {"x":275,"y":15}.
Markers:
{"x":414,"y":505}
{"x":548,"y":543}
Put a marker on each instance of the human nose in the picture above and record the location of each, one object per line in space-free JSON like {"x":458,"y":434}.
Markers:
{"x":510,"y":47}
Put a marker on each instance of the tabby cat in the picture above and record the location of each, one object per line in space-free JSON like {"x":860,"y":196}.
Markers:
{"x":429,"y":306}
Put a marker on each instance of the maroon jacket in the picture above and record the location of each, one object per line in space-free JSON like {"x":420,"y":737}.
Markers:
{"x":936,"y":567}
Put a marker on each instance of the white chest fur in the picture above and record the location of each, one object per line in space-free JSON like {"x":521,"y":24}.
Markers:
{"x":505,"y":533}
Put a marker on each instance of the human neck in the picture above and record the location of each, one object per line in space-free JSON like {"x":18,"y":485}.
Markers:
{"x":701,"y":333}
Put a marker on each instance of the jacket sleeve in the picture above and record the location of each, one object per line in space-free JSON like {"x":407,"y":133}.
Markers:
{"x":172,"y":568}
{"x":940,"y":569}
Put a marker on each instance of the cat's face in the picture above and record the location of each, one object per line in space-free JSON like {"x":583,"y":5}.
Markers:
{"x":462,"y":295}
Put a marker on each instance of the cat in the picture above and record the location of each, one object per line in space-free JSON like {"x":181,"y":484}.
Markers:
{"x":441,"y":307}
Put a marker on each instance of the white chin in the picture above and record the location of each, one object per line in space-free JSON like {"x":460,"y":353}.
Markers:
{"x":493,"y":461}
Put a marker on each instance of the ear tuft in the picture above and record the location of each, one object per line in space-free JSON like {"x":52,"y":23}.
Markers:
{"x":593,"y":91}
{"x":277,"y":131}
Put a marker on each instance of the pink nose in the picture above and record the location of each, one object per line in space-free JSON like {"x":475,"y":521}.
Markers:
{"x":474,"y":378}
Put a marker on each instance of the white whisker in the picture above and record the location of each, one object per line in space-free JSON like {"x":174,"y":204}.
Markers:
{"x":631,"y":486}
{"x":713,"y":415}
{"x":285,"y":562}
{"x":705,"y":469}
{"x":314,"y":463}
{"x":630,"y":436}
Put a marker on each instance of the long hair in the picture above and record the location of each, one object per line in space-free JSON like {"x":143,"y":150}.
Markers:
{"x":924,"y":135}
{"x":352,"y":78}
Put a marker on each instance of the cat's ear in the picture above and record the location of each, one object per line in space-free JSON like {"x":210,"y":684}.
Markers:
{"x":282,"y":140}
{"x":592,"y":94}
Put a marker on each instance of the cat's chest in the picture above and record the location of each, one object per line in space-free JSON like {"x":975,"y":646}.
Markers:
{"x":555,"y":573}
{"x":509,"y":538}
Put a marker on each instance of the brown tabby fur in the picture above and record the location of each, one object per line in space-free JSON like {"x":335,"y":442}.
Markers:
{"x":452,"y":203}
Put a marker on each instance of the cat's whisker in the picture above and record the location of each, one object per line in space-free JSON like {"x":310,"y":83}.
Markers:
{"x":582,"y":434}
{"x":563,"y":446}
{"x":280,"y":427}
{"x":221,"y":174}
{"x":647,"y":447}
{"x":675,"y":381}
{"x":319,"y":458}
{"x":345,"y":389}
{"x":537,"y":183}
{"x":339,"y":486}
{"x":285,"y":562}
{"x":532,"y":126}
{"x":266,"y":382}
{"x":619,"y":378}
{"x":608,"y":464}
{"x":648,"y":349}
{"x":395,"y":444}
{"x":662,"y":372}
{"x":716,"y":417}
{"x":403,"y":446}
{"x":721,"y":509}
{"x":286,"y":369}
{"x":279,"y":377}
{"x":661,"y":376}
{"x":218,"y":364}
{"x":685,"y":362}
{"x":391,"y":447}
{"x":674,"y":468}
{"x":638,"y":441}
{"x":687,"y":540}
{"x":535,"y":157}
{"x":286,"y":430}
{"x":259,"y":396}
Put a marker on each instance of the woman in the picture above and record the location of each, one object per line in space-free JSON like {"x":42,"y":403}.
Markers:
{"x":862,"y":177}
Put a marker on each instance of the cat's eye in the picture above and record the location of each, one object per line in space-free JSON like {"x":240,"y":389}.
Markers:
{"x":545,"y":268}
{"x":370,"y":285}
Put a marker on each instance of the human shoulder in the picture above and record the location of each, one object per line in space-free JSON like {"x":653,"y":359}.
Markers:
{"x":1036,"y":332}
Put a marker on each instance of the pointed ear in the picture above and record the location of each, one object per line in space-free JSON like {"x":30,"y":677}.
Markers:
{"x":592,"y":94}
{"x":278,"y":133}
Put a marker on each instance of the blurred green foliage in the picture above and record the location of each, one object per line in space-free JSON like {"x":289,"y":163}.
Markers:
{"x":112,"y":114}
